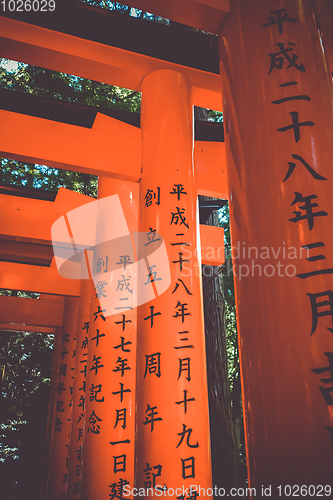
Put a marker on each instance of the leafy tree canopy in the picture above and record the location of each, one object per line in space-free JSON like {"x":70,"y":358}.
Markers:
{"x":25,"y":366}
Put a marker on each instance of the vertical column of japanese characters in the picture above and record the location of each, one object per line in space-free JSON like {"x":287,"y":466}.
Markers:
{"x":79,"y":392}
{"x":108,"y":451}
{"x":59,"y":453}
{"x":296,"y":93}
{"x":173,"y":450}
{"x":275,"y":75}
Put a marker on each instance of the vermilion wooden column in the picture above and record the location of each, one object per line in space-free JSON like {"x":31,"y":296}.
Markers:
{"x":173,"y":446}
{"x":52,"y":407}
{"x":59,"y":452}
{"x":79,"y":392}
{"x":277,"y":92}
{"x":109,"y":434}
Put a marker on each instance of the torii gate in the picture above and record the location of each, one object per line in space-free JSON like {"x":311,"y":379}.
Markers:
{"x":276,"y":167}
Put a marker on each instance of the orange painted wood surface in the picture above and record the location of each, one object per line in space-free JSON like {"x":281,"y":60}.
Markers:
{"x":91,"y":151}
{"x":110,"y":410}
{"x":212,"y":245}
{"x":101,"y":150}
{"x":276,"y":166}
{"x":210,"y":169}
{"x":17,"y":327}
{"x":61,"y":408}
{"x":28,"y":219}
{"x":171,"y":393}
{"x":38,"y":312}
{"x":38,"y":279}
{"x":81,"y":392}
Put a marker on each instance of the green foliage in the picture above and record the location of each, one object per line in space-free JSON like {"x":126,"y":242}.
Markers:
{"x":228,"y":277}
{"x":52,"y":84}
{"x":125,"y":9}
{"x":25,"y":360}
{"x":232,"y":343}
{"x":215,"y":116}
{"x":25,"y":368}
{"x":16,"y":293}
{"x":106,"y":4}
{"x":15,"y":173}
{"x":229,"y":296}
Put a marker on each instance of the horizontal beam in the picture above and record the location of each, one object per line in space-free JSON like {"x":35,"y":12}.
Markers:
{"x":102,"y":150}
{"x":111,"y":148}
{"x":35,"y":312}
{"x":90,"y":59}
{"x":170,"y":43}
{"x":27,"y":192}
{"x":84,"y":116}
{"x":212,"y":245}
{"x":46,"y":280}
{"x":211,"y":169}
{"x":25,"y":252}
{"x":60,"y":110}
{"x":37,"y":279}
{"x":30,"y":220}
{"x":32,"y":253}
{"x":28,"y":328}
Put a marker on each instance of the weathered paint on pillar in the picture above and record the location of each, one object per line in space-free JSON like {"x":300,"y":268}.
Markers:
{"x":278,"y":118}
{"x":173,"y":446}
{"x":79,"y":392}
{"x":108,"y":451}
{"x":59,"y":452}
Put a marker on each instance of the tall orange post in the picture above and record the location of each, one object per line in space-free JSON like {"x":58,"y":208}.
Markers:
{"x":173,"y":446}
{"x":63,"y":404}
{"x":52,"y":407}
{"x":277,"y":92}
{"x":109,"y":434}
{"x":79,"y":392}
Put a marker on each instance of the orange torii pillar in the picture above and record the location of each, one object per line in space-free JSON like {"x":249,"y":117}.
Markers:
{"x":52,"y":408}
{"x":109,"y":435}
{"x":172,"y":441}
{"x":79,"y":392}
{"x":61,"y":416}
{"x":277,"y":92}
